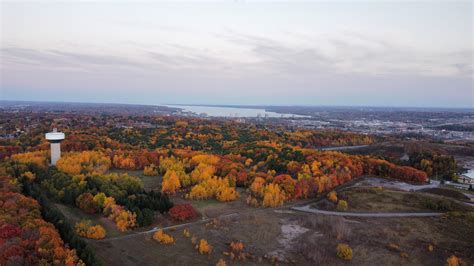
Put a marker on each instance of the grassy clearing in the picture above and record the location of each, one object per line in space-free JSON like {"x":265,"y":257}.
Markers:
{"x":450,"y":187}
{"x":202,"y":205}
{"x":450,"y":193}
{"x":385,"y":200}
{"x":306,"y":239}
{"x":267,"y":234}
{"x":75,"y":215}
{"x":149,"y":182}
{"x":143,"y":250}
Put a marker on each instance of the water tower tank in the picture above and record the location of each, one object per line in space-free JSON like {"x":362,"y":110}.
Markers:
{"x":55,"y":139}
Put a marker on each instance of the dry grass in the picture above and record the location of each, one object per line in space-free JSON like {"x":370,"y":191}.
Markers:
{"x":384,"y":200}
{"x":261,"y":231}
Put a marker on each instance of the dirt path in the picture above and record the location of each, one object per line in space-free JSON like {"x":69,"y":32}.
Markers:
{"x":167,"y":228}
{"x":205,"y":220}
{"x":374,"y":215}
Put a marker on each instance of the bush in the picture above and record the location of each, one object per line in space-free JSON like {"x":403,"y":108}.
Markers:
{"x":150,"y":170}
{"x":454,"y":261}
{"x":183,"y":212}
{"x":163,"y":238}
{"x":186,"y":233}
{"x":86,"y":203}
{"x":236,"y":247}
{"x":85,"y":229}
{"x":144,"y":217}
{"x":393,"y":247}
{"x":342,"y":206}
{"x":442,"y":205}
{"x":332,"y":196}
{"x":204,"y":247}
{"x":221,"y":262}
{"x":344,"y":252}
{"x":152,"y":200}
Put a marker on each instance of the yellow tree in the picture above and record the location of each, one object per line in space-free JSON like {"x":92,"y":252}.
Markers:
{"x":150,"y":170}
{"x":125,"y":220}
{"x":163,"y":238}
{"x":170,"y":182}
{"x":273,"y":196}
{"x":204,"y":247}
{"x":257,"y":186}
{"x":227,"y":194}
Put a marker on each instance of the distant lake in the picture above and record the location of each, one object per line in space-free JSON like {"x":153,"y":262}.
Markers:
{"x":215,"y":111}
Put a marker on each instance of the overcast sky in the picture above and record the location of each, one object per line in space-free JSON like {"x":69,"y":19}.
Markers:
{"x":310,"y":53}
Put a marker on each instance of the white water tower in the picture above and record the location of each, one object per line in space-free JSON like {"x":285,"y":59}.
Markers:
{"x":55,"y":139}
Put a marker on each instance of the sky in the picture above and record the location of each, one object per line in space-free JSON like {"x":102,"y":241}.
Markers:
{"x":417,"y":54}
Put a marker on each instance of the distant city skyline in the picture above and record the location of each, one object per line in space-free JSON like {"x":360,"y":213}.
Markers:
{"x":390,"y":54}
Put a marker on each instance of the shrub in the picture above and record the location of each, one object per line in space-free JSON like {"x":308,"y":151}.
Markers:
{"x":236,"y":246}
{"x":29,"y":175}
{"x":86,"y":203}
{"x":186,"y":233}
{"x":204,"y":247}
{"x":183,"y":212}
{"x":150,"y":170}
{"x":85,"y":229}
{"x":332,"y":196}
{"x":163,"y":238}
{"x":342,"y":206}
{"x":237,"y":251}
{"x":344,"y":252}
{"x":221,"y":262}
{"x":393,"y":247}
{"x":430,"y":248}
{"x":227,"y":194}
{"x":443,"y":205}
{"x":454,"y":261}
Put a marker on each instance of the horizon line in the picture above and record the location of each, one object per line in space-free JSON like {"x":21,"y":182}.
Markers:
{"x":246,"y":105}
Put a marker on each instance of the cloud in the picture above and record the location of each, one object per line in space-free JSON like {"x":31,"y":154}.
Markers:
{"x":299,"y":56}
{"x":352,"y":53}
{"x":62,"y":59}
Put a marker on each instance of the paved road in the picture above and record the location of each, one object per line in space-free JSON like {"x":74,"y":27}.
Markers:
{"x":374,"y":215}
{"x":341,"y":148}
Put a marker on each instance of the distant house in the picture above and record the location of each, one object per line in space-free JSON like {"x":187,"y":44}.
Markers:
{"x":466,"y":179}
{"x":405,"y":157}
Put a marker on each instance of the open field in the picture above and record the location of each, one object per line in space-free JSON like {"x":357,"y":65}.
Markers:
{"x":295,"y":238}
{"x":290,"y":237}
{"x":284,"y":236}
{"x":149,"y":182}
{"x":363,"y":199}
{"x":450,"y":193}
{"x":302,"y":239}
{"x":75,"y":215}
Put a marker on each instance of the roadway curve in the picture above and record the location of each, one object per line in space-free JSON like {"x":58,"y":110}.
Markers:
{"x":374,"y":215}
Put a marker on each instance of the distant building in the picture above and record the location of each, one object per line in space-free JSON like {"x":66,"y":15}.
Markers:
{"x":405,"y":157}
{"x":466,"y":179}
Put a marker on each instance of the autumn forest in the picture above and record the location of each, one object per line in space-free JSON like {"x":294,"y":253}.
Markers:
{"x":127,"y":173}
